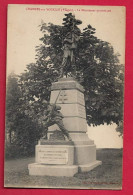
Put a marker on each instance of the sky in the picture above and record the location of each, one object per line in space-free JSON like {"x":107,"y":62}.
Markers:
{"x":105,"y":136}
{"x":23,"y":36}
{"x":24,"y":32}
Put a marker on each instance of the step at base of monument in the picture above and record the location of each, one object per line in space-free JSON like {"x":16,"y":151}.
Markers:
{"x":52,"y":170}
{"x":89,"y":167}
{"x":60,"y":170}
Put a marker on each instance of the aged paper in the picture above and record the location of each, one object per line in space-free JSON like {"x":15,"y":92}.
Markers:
{"x":42,"y":41}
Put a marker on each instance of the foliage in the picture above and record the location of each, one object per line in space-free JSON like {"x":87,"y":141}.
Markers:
{"x":102,"y":79}
{"x":119,"y":128}
{"x":98,"y":70}
{"x":12,"y":104}
{"x":21,"y":131}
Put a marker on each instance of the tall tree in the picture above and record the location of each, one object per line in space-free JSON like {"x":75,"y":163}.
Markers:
{"x":97,"y":69}
{"x":12,"y":105}
{"x":21,"y":131}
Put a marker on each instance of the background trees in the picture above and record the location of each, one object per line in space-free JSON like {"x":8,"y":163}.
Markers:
{"x":21,"y":130}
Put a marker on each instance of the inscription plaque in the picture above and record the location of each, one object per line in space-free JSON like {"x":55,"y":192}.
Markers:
{"x":52,"y":156}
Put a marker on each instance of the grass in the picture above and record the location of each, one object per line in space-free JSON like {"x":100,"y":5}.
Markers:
{"x":106,"y":176}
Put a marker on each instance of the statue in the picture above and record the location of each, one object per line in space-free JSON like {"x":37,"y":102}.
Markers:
{"x":52,"y":115}
{"x":70,"y":45}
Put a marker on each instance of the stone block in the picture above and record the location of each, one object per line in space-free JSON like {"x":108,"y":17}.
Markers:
{"x":53,"y":142}
{"x":67,"y":97}
{"x":81,"y":139}
{"x":67,"y":84}
{"x":74,"y":110}
{"x":84,"y":154}
{"x":89,"y":166}
{"x":52,"y":170}
{"x":72,"y":124}
{"x":55,"y":154}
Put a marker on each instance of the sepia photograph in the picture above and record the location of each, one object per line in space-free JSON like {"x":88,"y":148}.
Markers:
{"x":64,"y":96}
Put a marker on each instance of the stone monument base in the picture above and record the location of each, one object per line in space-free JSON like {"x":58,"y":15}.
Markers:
{"x":63,"y":158}
{"x":89,"y":166}
{"x":60,"y":170}
{"x":52,"y":170}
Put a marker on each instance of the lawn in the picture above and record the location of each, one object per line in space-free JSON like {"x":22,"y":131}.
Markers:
{"x":106,"y":176}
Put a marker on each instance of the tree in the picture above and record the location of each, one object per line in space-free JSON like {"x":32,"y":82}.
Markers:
{"x":12,"y":105}
{"x":97,"y":69}
{"x":119,"y":128}
{"x":22,"y":131}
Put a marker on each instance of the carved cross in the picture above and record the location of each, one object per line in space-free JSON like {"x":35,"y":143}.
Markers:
{"x":63,"y":97}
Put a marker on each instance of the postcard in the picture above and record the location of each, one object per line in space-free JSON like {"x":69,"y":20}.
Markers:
{"x":64,"y":96}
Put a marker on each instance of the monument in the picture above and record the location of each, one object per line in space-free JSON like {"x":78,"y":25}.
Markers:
{"x":67,"y":149}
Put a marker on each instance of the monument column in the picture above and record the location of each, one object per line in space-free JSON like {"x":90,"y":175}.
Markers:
{"x":71,"y":100}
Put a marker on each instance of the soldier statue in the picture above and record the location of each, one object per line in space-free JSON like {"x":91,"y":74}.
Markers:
{"x":51,"y":116}
{"x":70,"y":45}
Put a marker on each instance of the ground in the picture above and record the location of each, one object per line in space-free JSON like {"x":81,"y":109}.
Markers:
{"x":106,"y":176}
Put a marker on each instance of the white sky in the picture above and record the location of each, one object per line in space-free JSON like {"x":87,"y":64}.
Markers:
{"x":105,"y":136}
{"x":24,"y":34}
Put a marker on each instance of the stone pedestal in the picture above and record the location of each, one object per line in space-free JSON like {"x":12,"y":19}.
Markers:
{"x":67,"y":158}
{"x":54,"y":159}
